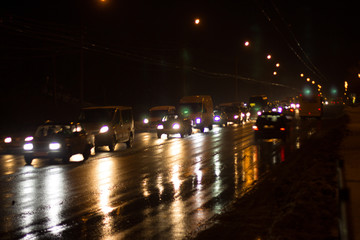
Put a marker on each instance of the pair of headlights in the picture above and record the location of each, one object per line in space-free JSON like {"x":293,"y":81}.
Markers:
{"x":52,"y":146}
{"x":174,"y":126}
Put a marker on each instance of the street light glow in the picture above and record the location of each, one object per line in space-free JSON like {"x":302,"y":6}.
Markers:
{"x":308,"y":79}
{"x":268,"y":56}
{"x":247,"y":43}
{"x":301,"y":75}
{"x":197,"y":21}
{"x":277,"y":65}
{"x":275,"y":73}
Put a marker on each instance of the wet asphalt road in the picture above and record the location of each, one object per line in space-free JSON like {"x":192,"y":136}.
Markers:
{"x":159,"y":189}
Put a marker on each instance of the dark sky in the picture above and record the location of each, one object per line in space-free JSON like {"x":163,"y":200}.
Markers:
{"x":146,"y":53}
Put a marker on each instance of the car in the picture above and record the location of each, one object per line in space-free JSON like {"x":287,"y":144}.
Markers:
{"x":271,"y":125}
{"x":220,"y":118}
{"x":174,"y":124}
{"x":109,"y":125}
{"x":58,"y":140}
{"x":12,"y":140}
{"x":156,"y":114}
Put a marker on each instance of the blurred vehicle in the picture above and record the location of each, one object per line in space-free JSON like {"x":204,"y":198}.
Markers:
{"x":156,"y":114}
{"x":233,"y":112}
{"x":12,"y":140}
{"x":310,"y":105}
{"x":174,"y":124}
{"x":109,"y":125}
{"x":271,"y":125}
{"x":58,"y":140}
{"x":220,"y":118}
{"x":257,"y":105}
{"x":199,"y":109}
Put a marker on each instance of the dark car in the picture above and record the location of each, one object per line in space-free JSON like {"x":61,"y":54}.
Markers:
{"x":58,"y":140}
{"x":220,"y":118}
{"x":174,"y":124}
{"x":13,"y":137}
{"x":271,"y":125}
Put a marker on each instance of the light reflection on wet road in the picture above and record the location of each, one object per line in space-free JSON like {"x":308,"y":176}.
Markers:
{"x":162,"y":188}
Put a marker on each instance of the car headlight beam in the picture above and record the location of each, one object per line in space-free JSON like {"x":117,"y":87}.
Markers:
{"x":28,"y":146}
{"x":8,"y":140}
{"x":104,"y":129}
{"x":176,"y":126}
{"x":54,"y":146}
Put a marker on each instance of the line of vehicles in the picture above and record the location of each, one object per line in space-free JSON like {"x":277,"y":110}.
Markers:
{"x":105,"y":126}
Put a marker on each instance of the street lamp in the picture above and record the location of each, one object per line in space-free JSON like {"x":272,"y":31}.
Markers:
{"x":246,"y":43}
{"x":268,"y":56}
{"x":197,"y":21}
{"x":277,"y":65}
{"x":301,"y":75}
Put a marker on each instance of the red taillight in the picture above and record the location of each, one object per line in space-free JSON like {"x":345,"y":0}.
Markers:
{"x":255,"y":128}
{"x":282,"y":129}
{"x":319,"y":109}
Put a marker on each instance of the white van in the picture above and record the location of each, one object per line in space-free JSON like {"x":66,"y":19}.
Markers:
{"x":109,"y":125}
{"x":199,"y":109}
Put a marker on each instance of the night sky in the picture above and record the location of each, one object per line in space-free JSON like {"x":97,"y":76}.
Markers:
{"x":147,"y":53}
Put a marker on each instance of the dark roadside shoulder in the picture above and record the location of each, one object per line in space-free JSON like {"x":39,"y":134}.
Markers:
{"x":296,"y":200}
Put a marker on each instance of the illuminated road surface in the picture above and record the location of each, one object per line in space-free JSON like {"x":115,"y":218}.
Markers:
{"x":160,"y":189}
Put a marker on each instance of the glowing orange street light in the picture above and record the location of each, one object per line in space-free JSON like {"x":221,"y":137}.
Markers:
{"x":277,"y":65}
{"x":197,"y":21}
{"x":308,"y":79}
{"x":301,"y":75}
{"x":358,"y":75}
{"x":268,"y":56}
{"x":274,"y":73}
{"x":247,"y":43}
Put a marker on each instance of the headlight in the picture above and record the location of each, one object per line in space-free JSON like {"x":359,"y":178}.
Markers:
{"x":217,"y":118}
{"x":160,"y":126}
{"x":104,"y":129}
{"x":28,"y":146}
{"x":8,"y":140}
{"x":242,"y":115}
{"x":259,"y":113}
{"x":54,"y":146}
{"x":198,"y":120}
{"x":29,"y":139}
{"x":176,"y":126}
{"x":146,"y":121}
{"x":255,"y":128}
{"x":248,"y":114}
{"x":236,"y":116}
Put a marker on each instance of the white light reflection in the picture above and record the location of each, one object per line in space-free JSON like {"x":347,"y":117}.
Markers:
{"x":160,"y":185}
{"x":105,"y":171}
{"x":27,"y":192}
{"x":54,"y":197}
{"x":175,"y":178}
{"x":218,"y":182}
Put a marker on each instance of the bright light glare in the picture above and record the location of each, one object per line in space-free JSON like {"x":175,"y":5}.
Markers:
{"x":54,"y":146}
{"x":247,"y":43}
{"x":29,"y":139}
{"x":176,"y":126}
{"x":217,"y":118}
{"x":146,"y":121}
{"x":104,"y":129}
{"x":258,"y":113}
{"x":198,"y":120}
{"x":197,"y":21}
{"x":255,"y":127}
{"x":236,"y":116}
{"x":8,"y":140}
{"x":28,"y":146}
{"x":160,"y":126}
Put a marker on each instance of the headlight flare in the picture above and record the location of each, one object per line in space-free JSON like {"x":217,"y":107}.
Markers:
{"x":160,"y":126}
{"x":104,"y":129}
{"x":198,"y":120}
{"x":54,"y":146}
{"x":29,"y":139}
{"x":28,"y":146}
{"x":8,"y":140}
{"x":176,"y":126}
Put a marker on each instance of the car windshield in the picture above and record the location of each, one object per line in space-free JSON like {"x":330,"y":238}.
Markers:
{"x":158,"y":113}
{"x":52,"y":130}
{"x":170,"y":117}
{"x":269,"y":118}
{"x":188,"y":108}
{"x":97,"y":115}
